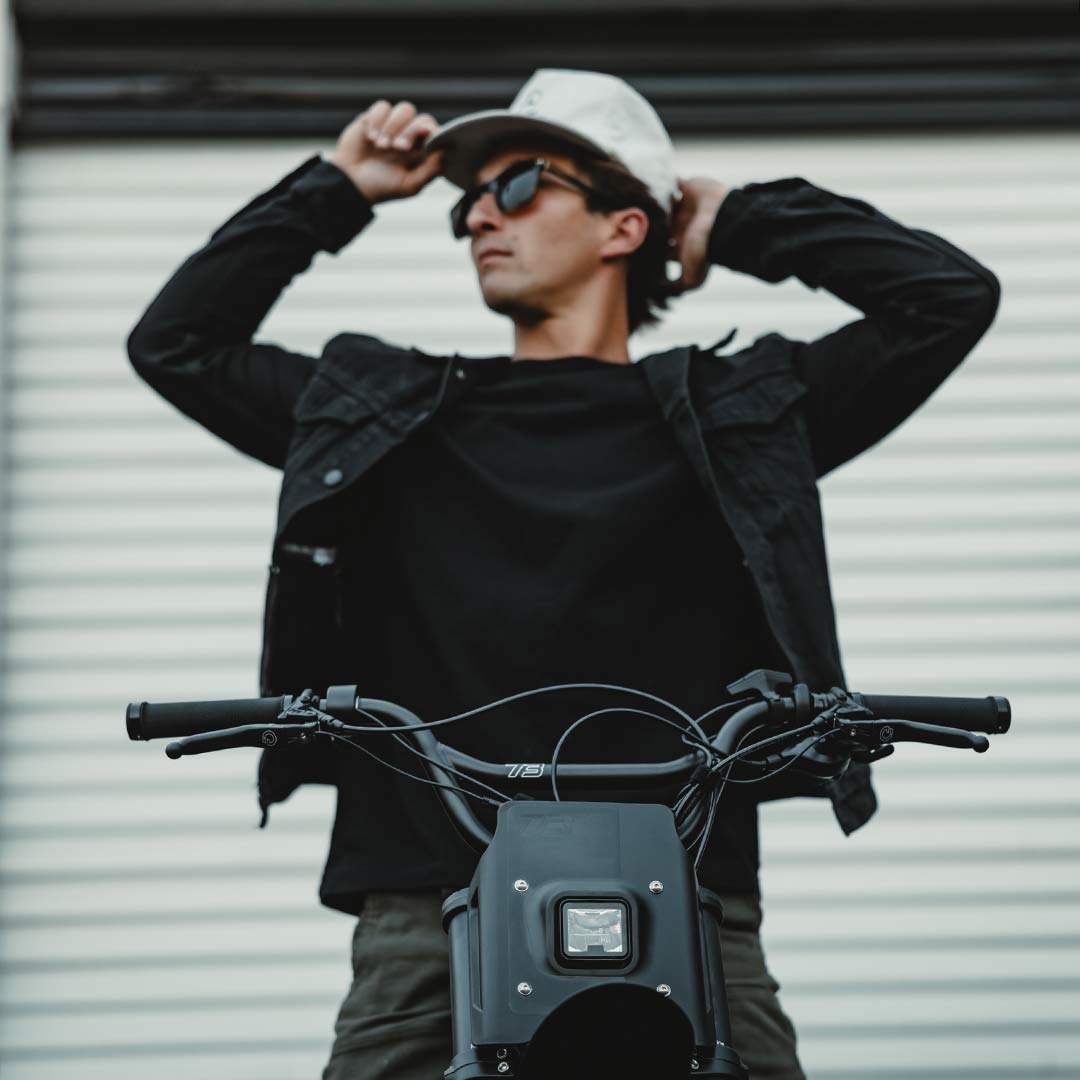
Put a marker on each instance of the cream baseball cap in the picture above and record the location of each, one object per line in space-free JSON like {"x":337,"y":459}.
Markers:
{"x":596,"y":111}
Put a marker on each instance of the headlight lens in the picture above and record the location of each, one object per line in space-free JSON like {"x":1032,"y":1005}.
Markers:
{"x":591,"y":929}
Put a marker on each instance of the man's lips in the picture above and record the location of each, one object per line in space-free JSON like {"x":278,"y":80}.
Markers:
{"x":489,"y":254}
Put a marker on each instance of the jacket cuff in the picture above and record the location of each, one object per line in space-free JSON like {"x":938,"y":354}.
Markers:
{"x":735,"y":211}
{"x":853,"y":797}
{"x":333,"y":206}
{"x":735,"y":241}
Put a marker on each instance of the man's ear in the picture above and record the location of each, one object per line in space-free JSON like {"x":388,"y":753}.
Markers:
{"x":627,"y":229}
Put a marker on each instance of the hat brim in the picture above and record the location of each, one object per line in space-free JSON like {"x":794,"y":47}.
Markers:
{"x":466,"y":140}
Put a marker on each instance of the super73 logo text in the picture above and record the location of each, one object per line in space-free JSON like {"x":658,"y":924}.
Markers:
{"x":521,"y":769}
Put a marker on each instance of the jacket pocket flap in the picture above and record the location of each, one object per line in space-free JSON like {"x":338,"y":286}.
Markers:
{"x":326,"y":398}
{"x":759,"y":395}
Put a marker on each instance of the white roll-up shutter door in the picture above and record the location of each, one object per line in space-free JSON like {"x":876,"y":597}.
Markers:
{"x":150,"y":929}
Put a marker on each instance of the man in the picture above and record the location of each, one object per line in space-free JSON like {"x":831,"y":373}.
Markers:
{"x":454,"y":530}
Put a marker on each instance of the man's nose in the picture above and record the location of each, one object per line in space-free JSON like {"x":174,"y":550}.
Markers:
{"x":483,"y":214}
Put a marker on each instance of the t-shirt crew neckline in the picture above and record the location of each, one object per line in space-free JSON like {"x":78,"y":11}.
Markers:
{"x":561,"y":362}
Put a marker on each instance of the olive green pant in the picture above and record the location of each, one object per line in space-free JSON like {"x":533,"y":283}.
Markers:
{"x":394,"y":1023}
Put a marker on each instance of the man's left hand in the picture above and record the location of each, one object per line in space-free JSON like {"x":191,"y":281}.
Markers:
{"x":695,"y":213}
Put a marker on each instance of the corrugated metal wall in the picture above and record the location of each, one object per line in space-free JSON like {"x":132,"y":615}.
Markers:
{"x":150,"y":929}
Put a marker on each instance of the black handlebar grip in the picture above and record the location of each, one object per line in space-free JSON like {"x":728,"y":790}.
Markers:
{"x":991,"y":715}
{"x":177,"y":719}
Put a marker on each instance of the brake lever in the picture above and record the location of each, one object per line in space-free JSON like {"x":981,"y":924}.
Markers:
{"x":886,"y":732}
{"x":264,"y":735}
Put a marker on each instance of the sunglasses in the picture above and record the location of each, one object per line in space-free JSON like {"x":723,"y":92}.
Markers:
{"x":514,"y":188}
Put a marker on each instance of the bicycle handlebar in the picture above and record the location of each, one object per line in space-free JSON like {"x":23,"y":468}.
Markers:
{"x":989,"y":715}
{"x":860,"y":726}
{"x":178,"y":719}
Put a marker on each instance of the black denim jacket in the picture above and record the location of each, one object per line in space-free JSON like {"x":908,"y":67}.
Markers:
{"x":759,"y":427}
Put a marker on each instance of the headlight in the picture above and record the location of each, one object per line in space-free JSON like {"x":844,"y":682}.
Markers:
{"x":592,"y":930}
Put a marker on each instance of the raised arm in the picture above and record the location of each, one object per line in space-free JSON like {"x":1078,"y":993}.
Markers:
{"x":926,"y":303}
{"x":193,"y":344}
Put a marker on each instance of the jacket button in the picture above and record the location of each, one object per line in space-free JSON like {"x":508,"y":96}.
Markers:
{"x":460,"y":373}
{"x":332,"y":477}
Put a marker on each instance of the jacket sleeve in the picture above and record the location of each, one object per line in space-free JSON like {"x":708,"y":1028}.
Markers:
{"x":925,"y":302}
{"x":193,"y":344}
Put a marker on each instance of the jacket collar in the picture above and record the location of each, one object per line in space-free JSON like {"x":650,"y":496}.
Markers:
{"x":668,"y":376}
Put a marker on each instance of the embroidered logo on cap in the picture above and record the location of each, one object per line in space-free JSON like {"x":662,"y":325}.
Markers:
{"x":531,"y":101}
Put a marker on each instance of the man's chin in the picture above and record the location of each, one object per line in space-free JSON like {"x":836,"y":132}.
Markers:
{"x":514,"y":307}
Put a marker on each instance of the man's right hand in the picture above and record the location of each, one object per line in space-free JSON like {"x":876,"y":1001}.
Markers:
{"x":381,"y":151}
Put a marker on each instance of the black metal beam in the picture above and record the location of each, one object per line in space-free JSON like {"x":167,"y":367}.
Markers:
{"x":145,"y":9}
{"x":820,"y":68}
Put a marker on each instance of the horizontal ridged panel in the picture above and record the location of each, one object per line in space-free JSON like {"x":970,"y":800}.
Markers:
{"x":942,"y":941}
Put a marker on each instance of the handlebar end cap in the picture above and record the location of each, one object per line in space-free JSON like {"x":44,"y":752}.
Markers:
{"x":1004,"y":715}
{"x":134,"y":720}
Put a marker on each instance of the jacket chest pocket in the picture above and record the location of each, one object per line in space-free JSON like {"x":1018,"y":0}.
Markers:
{"x":326,"y":402}
{"x":333,"y":428}
{"x":756,"y":432}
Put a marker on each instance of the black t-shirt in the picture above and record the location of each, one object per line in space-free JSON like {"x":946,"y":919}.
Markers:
{"x":548,"y":529}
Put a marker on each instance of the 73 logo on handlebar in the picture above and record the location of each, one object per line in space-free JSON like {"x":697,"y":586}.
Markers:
{"x":516,"y":769}
{"x":571,"y":931}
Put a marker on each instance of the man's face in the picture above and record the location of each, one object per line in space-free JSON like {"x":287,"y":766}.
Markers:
{"x":549,"y":247}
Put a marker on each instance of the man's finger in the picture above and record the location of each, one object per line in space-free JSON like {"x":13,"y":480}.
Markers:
{"x":419,"y":128}
{"x":432,"y":164}
{"x":426,"y":171}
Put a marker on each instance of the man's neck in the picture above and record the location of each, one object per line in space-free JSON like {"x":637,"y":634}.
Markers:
{"x":553,"y":338}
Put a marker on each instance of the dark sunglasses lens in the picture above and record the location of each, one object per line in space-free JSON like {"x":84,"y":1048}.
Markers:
{"x":513,"y":190}
{"x":517,"y":189}
{"x":459,"y":213}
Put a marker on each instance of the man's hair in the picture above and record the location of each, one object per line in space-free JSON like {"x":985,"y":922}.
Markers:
{"x":647,"y":286}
